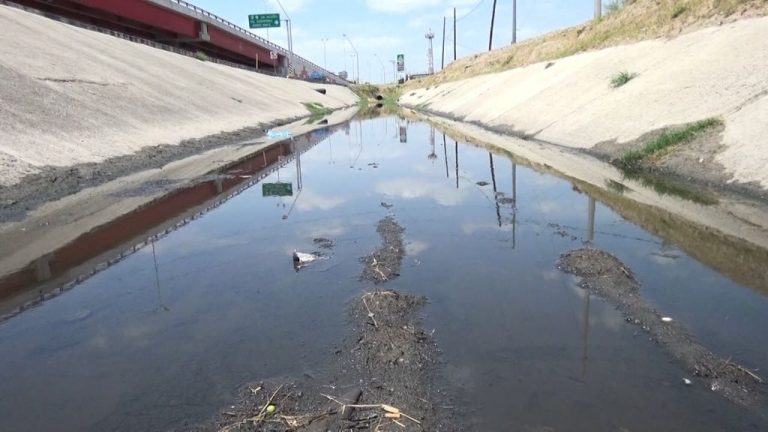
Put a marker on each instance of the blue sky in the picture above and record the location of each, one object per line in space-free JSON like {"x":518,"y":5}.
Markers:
{"x":381,"y":29}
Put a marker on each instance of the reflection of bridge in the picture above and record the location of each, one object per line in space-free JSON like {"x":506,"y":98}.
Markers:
{"x":59,"y":270}
{"x":179,"y":26}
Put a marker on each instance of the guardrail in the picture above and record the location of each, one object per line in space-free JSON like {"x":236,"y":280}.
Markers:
{"x":251,"y":35}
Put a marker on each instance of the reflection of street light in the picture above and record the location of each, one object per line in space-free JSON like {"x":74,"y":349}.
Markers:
{"x":432,"y":156}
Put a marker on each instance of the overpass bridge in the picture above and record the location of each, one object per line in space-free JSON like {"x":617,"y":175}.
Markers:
{"x":182,"y":27}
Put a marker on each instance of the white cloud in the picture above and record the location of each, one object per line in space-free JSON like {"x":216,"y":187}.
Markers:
{"x":415,"y":247}
{"x":310,"y":200}
{"x":413,"y":188}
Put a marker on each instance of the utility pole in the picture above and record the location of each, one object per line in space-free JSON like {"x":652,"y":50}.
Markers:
{"x":442,"y":58}
{"x":493,"y":19}
{"x":430,"y":53}
{"x":514,"y":22}
{"x":598,"y":9}
{"x":454,"y":34}
{"x":394,"y":70}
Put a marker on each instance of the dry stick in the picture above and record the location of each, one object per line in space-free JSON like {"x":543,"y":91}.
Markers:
{"x":269,"y":402}
{"x":370,"y":314}
{"x":385,"y":407}
{"x":757,"y":378}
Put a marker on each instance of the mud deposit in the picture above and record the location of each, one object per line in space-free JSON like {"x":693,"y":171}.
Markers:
{"x":384,"y":264}
{"x":384,"y":371}
{"x":383,"y":384}
{"x":606,"y":276}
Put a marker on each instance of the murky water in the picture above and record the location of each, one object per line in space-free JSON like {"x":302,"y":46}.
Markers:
{"x":166,"y":336}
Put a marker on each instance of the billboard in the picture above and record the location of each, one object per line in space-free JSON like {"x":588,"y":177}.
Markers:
{"x":400,"y":62}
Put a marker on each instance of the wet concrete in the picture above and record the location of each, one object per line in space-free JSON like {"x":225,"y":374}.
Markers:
{"x":167,"y":336}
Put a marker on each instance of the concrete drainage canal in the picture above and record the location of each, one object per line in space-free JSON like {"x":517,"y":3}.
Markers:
{"x":389,"y":277}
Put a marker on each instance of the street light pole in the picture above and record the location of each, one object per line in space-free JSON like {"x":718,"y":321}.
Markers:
{"x":598,"y":9}
{"x":357,"y":57}
{"x":325,"y":56}
{"x":383,"y":69}
{"x":290,"y":37}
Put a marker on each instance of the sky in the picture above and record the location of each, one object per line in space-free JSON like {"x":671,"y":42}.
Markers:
{"x":381,"y":29}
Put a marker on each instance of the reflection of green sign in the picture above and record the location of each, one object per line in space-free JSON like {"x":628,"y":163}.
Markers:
{"x":264,"y":21}
{"x":277,"y":189}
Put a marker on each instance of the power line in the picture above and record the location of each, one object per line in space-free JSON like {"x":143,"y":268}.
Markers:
{"x":474,"y":8}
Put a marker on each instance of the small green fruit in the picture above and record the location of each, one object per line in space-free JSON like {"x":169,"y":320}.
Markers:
{"x":271,"y":409}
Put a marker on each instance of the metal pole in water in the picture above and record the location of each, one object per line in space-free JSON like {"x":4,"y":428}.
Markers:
{"x":457,"y":164}
{"x":591,"y":217}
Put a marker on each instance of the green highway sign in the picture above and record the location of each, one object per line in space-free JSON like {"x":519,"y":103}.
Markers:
{"x":276,"y":189}
{"x":263,"y":21}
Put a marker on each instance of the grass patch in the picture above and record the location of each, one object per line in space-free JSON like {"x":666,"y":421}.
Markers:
{"x":622,"y":78}
{"x":614,"y":6}
{"x":317,"y":109}
{"x":667,"y":139}
{"x":678,"y":10}
{"x":200,"y":56}
{"x":368,"y":91}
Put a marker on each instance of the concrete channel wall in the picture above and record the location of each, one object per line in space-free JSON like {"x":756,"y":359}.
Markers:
{"x":85,"y":96}
{"x":714,"y":72}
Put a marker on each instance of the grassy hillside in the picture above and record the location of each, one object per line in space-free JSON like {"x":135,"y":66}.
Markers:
{"x":627,"y":21}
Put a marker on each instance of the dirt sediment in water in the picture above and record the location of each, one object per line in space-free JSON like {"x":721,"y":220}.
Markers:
{"x":607,"y":277}
{"x":383,"y":379}
{"x":384,"y":264}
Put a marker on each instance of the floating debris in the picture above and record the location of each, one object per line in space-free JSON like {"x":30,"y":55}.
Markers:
{"x":324,"y":243}
{"x":302,"y":259}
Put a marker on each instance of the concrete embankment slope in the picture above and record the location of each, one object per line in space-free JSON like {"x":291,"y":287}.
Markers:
{"x":714,"y":72}
{"x":71,"y":96}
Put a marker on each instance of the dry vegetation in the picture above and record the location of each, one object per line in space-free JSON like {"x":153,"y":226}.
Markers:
{"x":635,"y":21}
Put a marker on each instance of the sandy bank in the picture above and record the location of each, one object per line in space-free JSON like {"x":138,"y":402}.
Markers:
{"x":72,"y":96}
{"x":714,"y":72}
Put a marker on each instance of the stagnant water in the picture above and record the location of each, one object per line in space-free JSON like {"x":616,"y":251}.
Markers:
{"x":166,"y":336}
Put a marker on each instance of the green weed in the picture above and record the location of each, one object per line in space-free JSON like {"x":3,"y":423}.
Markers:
{"x":667,"y":139}
{"x":622,"y":78}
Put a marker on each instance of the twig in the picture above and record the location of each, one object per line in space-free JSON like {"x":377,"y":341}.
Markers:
{"x":370,"y":314}
{"x":752,"y":374}
{"x":385,"y":407}
{"x":269,"y":402}
{"x":257,"y":418}
{"x":381,"y":273}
